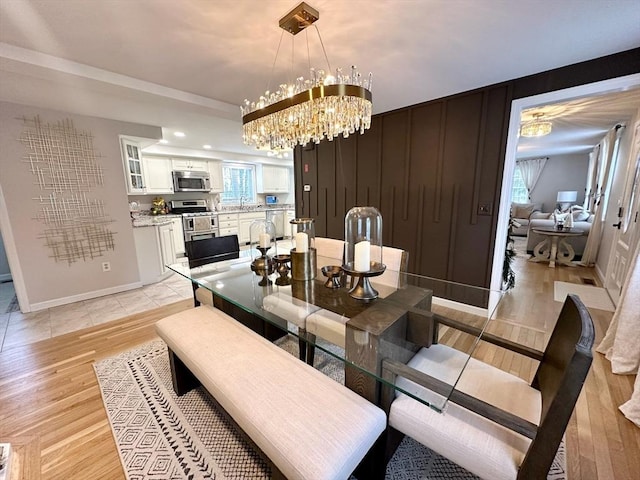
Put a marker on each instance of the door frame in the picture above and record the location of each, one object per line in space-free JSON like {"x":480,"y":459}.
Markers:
{"x":517,"y":106}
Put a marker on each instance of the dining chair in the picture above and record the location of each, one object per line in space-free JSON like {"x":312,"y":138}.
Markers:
{"x":495,"y":424}
{"x":206,"y":251}
{"x":330,"y":248}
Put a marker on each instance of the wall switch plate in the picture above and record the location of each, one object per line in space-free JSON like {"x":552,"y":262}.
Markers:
{"x":307,"y":188}
{"x":484,"y":208}
{"x":106,"y":266}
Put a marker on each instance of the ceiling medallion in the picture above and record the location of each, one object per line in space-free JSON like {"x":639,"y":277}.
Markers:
{"x":536,"y":127}
{"x":322,"y":106}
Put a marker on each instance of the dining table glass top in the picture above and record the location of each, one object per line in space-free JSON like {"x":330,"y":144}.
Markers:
{"x":411,"y":312}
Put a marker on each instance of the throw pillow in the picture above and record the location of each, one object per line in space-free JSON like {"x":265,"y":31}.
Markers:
{"x":579,"y":215}
{"x":522,"y":210}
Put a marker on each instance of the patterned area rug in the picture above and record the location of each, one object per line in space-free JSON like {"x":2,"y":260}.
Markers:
{"x":163,"y":436}
{"x":13,"y":306}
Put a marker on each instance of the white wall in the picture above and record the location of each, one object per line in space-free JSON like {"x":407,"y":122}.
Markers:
{"x":615,"y":198}
{"x":561,"y":172}
{"x":46,"y":281}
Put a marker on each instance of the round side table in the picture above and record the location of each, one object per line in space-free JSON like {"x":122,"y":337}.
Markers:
{"x":554,"y":248}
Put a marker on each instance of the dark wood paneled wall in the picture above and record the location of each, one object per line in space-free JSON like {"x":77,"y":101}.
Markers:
{"x":434,"y":170}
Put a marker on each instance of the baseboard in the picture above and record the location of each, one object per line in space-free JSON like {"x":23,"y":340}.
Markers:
{"x":83,"y":296}
{"x":462,"y":307}
{"x":4,"y":277}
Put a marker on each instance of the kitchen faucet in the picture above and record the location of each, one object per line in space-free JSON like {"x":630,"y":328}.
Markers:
{"x":242,"y":200}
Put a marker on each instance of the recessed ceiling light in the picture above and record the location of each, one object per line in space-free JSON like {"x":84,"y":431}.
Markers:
{"x":163,"y":141}
{"x":179,"y":134}
{"x":206,"y":147}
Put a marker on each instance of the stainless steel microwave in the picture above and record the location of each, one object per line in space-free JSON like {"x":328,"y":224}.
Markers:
{"x":191,"y":181}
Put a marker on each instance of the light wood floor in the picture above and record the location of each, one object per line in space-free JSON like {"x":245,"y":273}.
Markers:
{"x":52,"y":412}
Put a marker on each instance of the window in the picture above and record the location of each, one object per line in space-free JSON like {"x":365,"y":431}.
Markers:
{"x":518,"y":189}
{"x":239,"y":183}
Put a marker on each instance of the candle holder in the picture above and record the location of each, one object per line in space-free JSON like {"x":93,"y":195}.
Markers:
{"x":363,"y":289}
{"x":333,"y":274}
{"x":282,"y":268}
{"x":303,"y":256}
{"x":263,"y":266}
{"x":363,"y":249}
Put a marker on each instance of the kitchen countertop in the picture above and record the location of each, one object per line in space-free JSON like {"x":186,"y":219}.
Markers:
{"x":142,"y":220}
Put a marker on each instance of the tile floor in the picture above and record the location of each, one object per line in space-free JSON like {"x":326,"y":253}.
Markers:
{"x":18,"y":328}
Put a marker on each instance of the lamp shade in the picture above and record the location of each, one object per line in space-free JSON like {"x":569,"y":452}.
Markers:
{"x":567,"y":196}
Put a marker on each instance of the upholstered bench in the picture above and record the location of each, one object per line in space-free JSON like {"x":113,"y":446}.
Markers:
{"x":308,"y":425}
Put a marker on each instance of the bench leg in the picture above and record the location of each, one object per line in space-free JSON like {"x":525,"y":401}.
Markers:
{"x":181,"y":377}
{"x":311,"y":349}
{"x":194,"y":287}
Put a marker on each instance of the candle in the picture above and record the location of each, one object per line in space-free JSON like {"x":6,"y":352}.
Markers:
{"x":302,"y":242}
{"x":265,"y":240}
{"x":362,"y":256}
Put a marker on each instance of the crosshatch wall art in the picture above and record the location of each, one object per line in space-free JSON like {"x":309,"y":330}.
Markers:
{"x":67,"y":169}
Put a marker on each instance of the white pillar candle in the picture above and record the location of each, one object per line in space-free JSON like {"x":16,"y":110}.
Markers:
{"x":265,"y":240}
{"x":362,"y":256}
{"x":302,"y":242}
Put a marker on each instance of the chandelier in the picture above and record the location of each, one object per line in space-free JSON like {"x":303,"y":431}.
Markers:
{"x":536,"y":127}
{"x":322,"y":106}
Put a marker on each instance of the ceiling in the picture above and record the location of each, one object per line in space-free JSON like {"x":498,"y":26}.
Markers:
{"x":187,"y":65}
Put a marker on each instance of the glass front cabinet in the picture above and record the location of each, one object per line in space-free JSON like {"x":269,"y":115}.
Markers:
{"x":133,"y":166}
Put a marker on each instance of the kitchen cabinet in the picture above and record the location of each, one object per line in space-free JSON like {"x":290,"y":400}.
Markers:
{"x":131,"y":156}
{"x":157,"y":175}
{"x":273,"y":179}
{"x":244,"y":225}
{"x":154,"y":249}
{"x":195,"y":164}
{"x":228,"y":224}
{"x":178,"y":236}
{"x":290,"y":215}
{"x":215,"y":172}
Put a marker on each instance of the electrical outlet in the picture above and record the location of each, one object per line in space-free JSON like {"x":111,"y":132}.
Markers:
{"x":106,"y":266}
{"x":307,"y":188}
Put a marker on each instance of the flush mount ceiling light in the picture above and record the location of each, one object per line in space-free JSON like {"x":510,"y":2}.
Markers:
{"x":536,"y":127}
{"x":323,"y":106}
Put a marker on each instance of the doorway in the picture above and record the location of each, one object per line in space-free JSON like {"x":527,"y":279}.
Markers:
{"x":599,"y":88}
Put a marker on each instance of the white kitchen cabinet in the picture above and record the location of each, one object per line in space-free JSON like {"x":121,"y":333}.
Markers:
{"x":194,"y":164}
{"x":273,"y":179}
{"x":133,"y":169}
{"x":154,"y":249}
{"x":215,"y":172}
{"x":178,"y":236}
{"x":244,"y":225}
{"x":157,"y":174}
{"x":228,"y":224}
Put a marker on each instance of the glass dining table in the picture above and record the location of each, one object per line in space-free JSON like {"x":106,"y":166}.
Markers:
{"x":411,"y":312}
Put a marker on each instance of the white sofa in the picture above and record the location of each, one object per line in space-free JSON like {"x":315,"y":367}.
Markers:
{"x":582,"y":222}
{"x":521,"y":213}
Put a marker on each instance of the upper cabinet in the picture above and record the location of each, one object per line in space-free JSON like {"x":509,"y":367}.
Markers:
{"x":195,"y":164}
{"x":273,"y":179}
{"x":157,"y":174}
{"x":215,"y":172}
{"x":131,"y":156}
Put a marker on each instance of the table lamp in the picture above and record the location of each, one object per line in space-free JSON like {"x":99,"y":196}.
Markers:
{"x":565,"y":199}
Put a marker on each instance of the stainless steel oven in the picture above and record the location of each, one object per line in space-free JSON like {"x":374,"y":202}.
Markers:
{"x":197,"y":222}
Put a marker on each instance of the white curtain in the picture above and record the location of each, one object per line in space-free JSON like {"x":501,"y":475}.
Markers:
{"x":621,"y":344}
{"x":531,"y":170}
{"x":603,"y":169}
{"x":592,"y":187}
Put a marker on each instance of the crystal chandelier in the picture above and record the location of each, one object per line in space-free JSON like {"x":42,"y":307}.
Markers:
{"x":536,"y":127}
{"x":322,"y":106}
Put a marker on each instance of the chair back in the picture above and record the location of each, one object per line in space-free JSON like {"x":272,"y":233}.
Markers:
{"x":396,"y":261}
{"x":330,"y":248}
{"x":210,"y":250}
{"x":560,"y":376}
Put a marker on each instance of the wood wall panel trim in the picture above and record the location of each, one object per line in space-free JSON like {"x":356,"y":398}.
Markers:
{"x":477,"y":171}
{"x":407,"y":167}
{"x":417,"y":260}
{"x":440,"y":165}
{"x":453,"y":231}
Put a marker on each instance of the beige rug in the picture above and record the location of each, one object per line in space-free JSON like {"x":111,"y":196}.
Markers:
{"x":592,"y":297}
